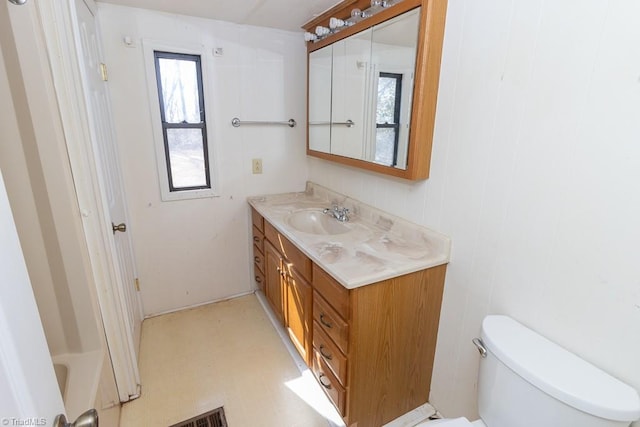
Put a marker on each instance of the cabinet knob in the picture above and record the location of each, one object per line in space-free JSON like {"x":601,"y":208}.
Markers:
{"x":327,"y":356}
{"x":327,"y":384}
{"x":324,"y":322}
{"x":257,"y":260}
{"x":258,"y":279}
{"x":256,"y":239}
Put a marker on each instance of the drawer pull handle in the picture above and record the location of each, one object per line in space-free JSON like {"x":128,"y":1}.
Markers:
{"x":324,"y":322}
{"x":256,"y":239}
{"x":257,"y":260}
{"x":327,"y":356}
{"x":258,"y":279}
{"x":325,"y":385}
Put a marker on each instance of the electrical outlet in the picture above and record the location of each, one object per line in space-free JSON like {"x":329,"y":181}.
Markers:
{"x":256,"y":165}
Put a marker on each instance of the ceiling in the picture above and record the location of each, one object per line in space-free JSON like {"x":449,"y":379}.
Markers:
{"x":283,"y":14}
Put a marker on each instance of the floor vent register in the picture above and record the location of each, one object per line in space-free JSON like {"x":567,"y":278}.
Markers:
{"x":213,"y":418}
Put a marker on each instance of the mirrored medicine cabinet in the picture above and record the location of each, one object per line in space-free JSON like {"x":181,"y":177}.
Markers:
{"x":372,"y":87}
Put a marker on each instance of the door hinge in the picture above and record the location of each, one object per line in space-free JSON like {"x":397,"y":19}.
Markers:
{"x":103,"y":72}
{"x":137,"y":284}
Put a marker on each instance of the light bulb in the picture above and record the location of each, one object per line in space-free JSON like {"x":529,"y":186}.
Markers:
{"x":310,"y":37}
{"x":336,"y":23}
{"x":322,"y":31}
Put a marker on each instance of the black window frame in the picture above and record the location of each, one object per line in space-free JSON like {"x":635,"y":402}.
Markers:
{"x":396,"y":114}
{"x":202,"y":125}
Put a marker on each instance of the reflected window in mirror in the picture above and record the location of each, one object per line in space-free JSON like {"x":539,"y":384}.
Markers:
{"x":388,"y":118}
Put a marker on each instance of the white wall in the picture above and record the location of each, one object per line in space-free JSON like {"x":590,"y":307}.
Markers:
{"x":194,"y":251}
{"x":535,"y":175}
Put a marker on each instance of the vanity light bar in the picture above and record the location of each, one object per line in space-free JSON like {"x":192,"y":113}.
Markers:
{"x":357,"y":15}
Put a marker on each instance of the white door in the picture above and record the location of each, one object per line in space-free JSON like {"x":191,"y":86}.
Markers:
{"x":104,"y":148}
{"x":28,"y":387}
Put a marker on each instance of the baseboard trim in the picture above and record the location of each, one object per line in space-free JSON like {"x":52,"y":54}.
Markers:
{"x":174,"y":310}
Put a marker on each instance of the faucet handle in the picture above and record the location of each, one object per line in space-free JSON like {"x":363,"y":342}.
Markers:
{"x":344,"y":214}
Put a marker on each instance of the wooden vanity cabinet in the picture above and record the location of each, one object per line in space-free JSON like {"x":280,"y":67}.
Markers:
{"x":371,"y":348}
{"x":374,"y":345}
{"x":298,"y":310}
{"x":274,"y":289}
{"x":288,"y":289}
{"x":258,"y":249}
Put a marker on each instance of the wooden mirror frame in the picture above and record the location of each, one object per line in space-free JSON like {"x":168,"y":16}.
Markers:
{"x":427,"y":77}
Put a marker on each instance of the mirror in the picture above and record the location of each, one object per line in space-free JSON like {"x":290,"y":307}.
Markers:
{"x":361,"y":90}
{"x":373,"y":84}
{"x":349,"y":89}
{"x":393,"y":59}
{"x":320,"y":99}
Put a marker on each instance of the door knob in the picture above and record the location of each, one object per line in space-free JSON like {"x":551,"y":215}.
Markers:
{"x":87,"y":419}
{"x":122,"y":227}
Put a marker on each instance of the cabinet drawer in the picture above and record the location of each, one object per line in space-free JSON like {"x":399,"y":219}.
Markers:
{"x":330,"y":353}
{"x":329,"y":383}
{"x":330,"y":322}
{"x":258,"y":260}
{"x":257,"y":219}
{"x":289,"y":251}
{"x":258,"y":239}
{"x":258,"y":277}
{"x":332,"y":291}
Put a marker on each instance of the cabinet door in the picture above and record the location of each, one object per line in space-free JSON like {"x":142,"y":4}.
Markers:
{"x":273,"y":276}
{"x":299,"y":311}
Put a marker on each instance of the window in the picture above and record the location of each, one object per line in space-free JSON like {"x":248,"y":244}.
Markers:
{"x":388,"y":118}
{"x":182,"y":114}
{"x":179,"y":88}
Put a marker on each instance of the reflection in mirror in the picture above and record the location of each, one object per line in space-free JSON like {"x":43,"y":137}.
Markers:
{"x":320,"y":99}
{"x":388,"y":118}
{"x":351,"y":57}
{"x":393,"y":58}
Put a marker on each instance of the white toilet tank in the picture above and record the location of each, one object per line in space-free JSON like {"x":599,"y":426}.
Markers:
{"x":528,"y":381}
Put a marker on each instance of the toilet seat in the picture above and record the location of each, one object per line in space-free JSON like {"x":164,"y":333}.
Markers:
{"x":452,"y":422}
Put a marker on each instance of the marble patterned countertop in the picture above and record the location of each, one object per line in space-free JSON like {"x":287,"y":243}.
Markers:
{"x":374,"y":245}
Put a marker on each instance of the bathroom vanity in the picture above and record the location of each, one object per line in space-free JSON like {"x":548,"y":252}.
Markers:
{"x":360,"y":298}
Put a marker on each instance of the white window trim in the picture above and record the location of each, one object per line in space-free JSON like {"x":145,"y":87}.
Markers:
{"x":149,"y":46}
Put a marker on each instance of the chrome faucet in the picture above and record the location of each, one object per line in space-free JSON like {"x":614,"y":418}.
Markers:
{"x":341,"y":214}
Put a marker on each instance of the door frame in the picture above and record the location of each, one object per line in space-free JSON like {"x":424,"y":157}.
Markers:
{"x":58,"y":22}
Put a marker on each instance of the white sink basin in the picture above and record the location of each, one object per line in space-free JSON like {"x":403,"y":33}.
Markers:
{"x":315,"y":222}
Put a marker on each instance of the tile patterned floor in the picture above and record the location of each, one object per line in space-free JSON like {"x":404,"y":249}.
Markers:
{"x":223,"y":354}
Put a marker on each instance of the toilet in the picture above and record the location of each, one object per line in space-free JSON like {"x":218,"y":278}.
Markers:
{"x":525,"y":380}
